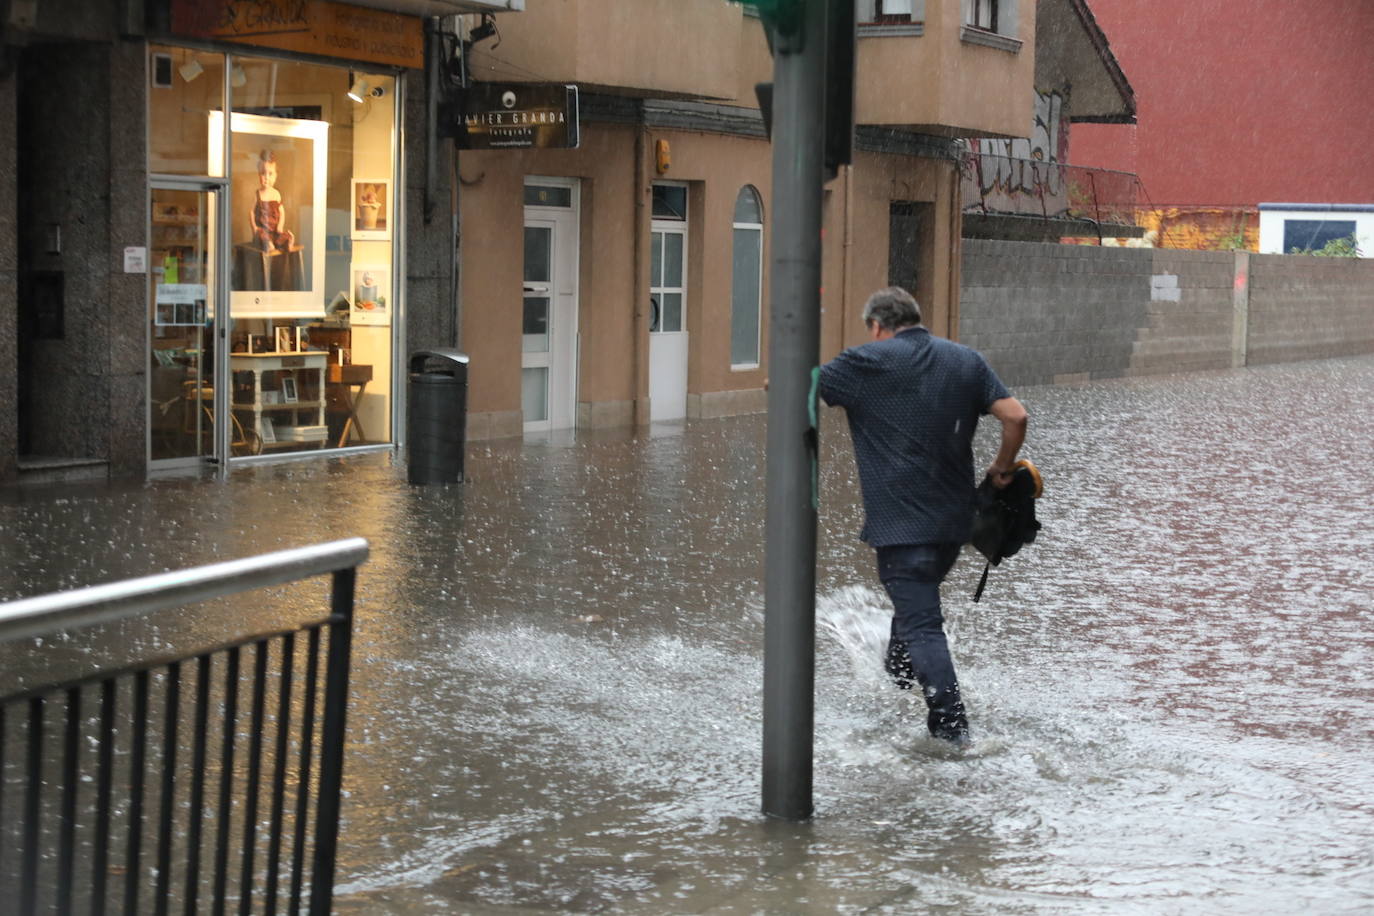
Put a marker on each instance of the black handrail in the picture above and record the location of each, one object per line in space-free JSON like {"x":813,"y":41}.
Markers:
{"x":194,"y":806}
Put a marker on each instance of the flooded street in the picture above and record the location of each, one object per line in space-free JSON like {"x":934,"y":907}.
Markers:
{"x":558,"y":664}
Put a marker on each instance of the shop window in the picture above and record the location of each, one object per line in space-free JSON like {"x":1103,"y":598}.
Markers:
{"x":186,"y":86}
{"x":312,"y":213}
{"x":746,"y":289}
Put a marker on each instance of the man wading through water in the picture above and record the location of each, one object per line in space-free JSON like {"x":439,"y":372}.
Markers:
{"x":913,"y":402}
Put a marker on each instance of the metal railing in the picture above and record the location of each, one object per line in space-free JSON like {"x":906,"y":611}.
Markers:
{"x":995,"y":184}
{"x":152,"y":788}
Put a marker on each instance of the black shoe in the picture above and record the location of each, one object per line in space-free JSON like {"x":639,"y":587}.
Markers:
{"x":950,"y":726}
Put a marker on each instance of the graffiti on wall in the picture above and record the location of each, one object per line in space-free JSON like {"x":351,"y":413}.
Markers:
{"x":1022,"y":175}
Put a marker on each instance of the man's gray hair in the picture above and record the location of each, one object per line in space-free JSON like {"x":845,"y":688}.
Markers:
{"x":893,"y":309}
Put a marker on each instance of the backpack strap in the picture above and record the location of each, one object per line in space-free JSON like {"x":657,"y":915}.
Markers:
{"x":982,"y":582}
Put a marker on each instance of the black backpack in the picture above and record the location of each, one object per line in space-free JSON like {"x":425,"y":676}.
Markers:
{"x":1005,"y":518}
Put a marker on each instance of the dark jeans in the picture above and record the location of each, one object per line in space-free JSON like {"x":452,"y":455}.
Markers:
{"x":912,"y":574}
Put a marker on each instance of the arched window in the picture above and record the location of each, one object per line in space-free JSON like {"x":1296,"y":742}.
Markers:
{"x":746,"y":287}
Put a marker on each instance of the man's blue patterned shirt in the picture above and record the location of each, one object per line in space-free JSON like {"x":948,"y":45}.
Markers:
{"x":913,"y":403}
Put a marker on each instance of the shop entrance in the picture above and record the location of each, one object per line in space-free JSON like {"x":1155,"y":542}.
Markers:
{"x":273,"y":231}
{"x":548,"y":364}
{"x":184,"y":401}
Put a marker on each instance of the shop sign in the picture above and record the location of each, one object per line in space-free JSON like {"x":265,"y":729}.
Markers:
{"x":515,"y":116}
{"x":307,"y":27}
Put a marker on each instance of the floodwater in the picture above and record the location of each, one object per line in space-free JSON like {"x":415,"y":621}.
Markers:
{"x":557,"y":681}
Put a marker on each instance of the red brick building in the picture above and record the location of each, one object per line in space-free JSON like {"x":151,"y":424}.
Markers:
{"x":1239,"y":104}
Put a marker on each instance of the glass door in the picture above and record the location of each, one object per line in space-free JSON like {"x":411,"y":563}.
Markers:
{"x":667,"y":321}
{"x":182,"y":296}
{"x":535,"y":324}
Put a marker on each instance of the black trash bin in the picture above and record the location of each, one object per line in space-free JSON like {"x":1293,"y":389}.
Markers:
{"x":437,"y":416}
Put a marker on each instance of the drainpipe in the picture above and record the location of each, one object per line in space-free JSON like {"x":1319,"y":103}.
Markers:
{"x":956,"y":253}
{"x":640,"y":350}
{"x":846,"y":252}
{"x":455,"y":249}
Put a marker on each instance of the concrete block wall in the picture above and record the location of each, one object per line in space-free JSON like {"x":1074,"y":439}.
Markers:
{"x":1044,"y":313}
{"x":1189,"y":315}
{"x":1306,"y":307}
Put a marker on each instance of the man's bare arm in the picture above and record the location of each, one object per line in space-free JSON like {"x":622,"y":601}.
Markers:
{"x":1013,"y":418}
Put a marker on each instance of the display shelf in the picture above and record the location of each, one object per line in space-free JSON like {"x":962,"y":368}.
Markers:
{"x":293,"y":423}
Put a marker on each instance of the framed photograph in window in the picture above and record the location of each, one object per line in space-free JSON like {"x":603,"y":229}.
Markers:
{"x":266,"y":431}
{"x":371,"y":208}
{"x":288,"y":390}
{"x":285,"y":340}
{"x":371,"y":294}
{"x":277,"y":183}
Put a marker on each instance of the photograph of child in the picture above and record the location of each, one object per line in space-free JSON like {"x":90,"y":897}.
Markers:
{"x":271,"y":186}
{"x":268,"y":215}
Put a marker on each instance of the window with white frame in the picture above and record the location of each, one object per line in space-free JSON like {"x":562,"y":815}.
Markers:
{"x":746,"y":284}
{"x":993,"y":23}
{"x":889,"y":12}
{"x":983,"y":14}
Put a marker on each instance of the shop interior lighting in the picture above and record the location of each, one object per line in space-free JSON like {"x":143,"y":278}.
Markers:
{"x":190,"y":70}
{"x":237,"y":77}
{"x":358,"y":91}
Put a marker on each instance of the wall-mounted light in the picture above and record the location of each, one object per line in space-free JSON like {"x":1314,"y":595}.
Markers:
{"x":190,"y":70}
{"x":358,"y":91}
{"x":237,"y":77}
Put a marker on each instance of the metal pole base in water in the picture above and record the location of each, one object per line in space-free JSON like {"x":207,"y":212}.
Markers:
{"x":794,"y":344}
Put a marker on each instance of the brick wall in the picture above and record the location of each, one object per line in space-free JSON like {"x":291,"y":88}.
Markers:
{"x":1046,"y":313}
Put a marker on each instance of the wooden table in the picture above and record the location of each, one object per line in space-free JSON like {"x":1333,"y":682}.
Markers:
{"x":342,"y":380}
{"x":301,"y":409}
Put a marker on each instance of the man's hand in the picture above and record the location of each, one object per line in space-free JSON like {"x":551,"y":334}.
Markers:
{"x":1013,"y":417}
{"x":1000,"y":477}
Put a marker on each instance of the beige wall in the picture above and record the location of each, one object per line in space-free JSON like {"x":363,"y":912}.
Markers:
{"x":944,"y":85}
{"x":615,"y":198}
{"x":653,"y":47}
{"x":493,"y":221}
{"x":863,"y":239}
{"x":710,"y":50}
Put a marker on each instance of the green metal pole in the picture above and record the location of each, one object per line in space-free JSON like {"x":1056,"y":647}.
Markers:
{"x":793,"y":348}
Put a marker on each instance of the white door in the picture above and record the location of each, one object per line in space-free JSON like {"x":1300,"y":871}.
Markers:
{"x":668,"y":321}
{"x":548,"y":365}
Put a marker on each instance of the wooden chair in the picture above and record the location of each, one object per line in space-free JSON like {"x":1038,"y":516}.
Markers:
{"x":199,"y":400}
